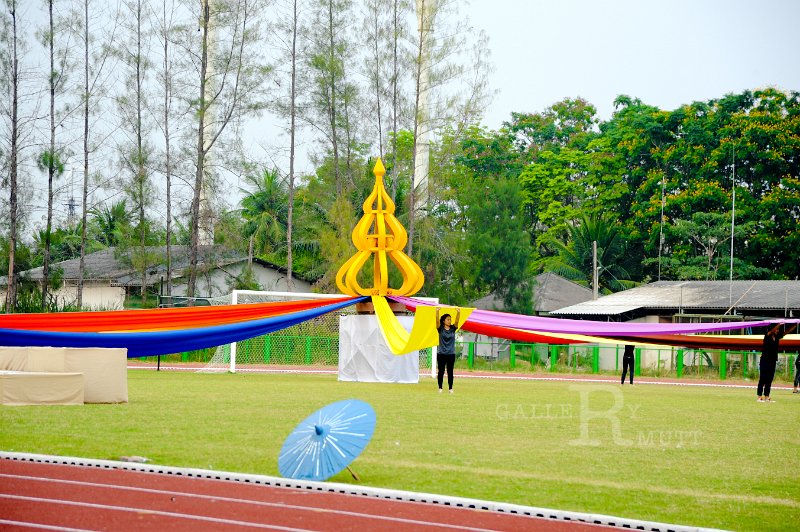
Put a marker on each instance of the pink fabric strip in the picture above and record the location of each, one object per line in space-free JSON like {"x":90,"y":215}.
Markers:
{"x":593,"y":328}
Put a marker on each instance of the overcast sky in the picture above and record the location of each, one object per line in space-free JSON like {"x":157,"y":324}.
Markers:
{"x":664,"y":52}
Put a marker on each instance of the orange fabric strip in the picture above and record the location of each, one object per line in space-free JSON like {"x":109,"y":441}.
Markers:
{"x":156,"y":319}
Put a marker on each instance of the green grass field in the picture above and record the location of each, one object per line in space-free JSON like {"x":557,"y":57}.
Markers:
{"x":702,"y":456}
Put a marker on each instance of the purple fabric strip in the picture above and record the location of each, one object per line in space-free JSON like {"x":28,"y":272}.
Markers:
{"x":592,"y":328}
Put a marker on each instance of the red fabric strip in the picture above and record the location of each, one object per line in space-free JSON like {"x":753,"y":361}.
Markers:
{"x":156,"y":319}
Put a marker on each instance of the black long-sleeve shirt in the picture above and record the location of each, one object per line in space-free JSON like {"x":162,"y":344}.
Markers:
{"x":769,"y":350}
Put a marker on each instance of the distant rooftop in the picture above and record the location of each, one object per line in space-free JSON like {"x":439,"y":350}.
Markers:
{"x":550,"y":292}
{"x":707,"y":297}
{"x":110,"y":265}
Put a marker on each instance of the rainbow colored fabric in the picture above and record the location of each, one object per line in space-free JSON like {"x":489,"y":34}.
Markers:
{"x":161,"y":331}
{"x":166,"y":331}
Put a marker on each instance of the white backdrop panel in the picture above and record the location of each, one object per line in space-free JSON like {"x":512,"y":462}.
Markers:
{"x":365,"y":357}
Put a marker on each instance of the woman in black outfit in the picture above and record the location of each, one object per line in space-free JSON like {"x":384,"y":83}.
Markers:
{"x":796,"y":373}
{"x":627,"y":363}
{"x":769,"y":359}
{"x":446,"y":353}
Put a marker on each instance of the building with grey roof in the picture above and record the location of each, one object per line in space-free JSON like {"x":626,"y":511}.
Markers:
{"x":109,"y":275}
{"x":550,"y":292}
{"x":669,"y":301}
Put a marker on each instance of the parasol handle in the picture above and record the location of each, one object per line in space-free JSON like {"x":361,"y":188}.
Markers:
{"x":355,"y":476}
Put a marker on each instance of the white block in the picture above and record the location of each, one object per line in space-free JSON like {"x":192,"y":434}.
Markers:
{"x":365,"y":357}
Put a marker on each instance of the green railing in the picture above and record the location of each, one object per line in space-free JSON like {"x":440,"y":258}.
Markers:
{"x":317,"y":350}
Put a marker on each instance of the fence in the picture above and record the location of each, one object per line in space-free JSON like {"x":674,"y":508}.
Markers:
{"x":286,"y":348}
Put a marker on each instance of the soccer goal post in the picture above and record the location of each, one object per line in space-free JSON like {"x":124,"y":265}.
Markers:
{"x":240,"y":297}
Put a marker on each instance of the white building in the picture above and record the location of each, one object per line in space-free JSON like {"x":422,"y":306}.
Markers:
{"x":109,"y":276}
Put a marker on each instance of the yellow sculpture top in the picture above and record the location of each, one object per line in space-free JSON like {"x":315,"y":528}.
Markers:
{"x":380,"y":234}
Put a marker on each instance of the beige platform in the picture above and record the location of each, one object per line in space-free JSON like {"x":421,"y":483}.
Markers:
{"x":104,"y":371}
{"x":38,"y":388}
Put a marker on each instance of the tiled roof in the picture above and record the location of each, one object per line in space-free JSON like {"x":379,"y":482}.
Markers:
{"x":551,"y":291}
{"x":683,"y":296}
{"x":109,"y":265}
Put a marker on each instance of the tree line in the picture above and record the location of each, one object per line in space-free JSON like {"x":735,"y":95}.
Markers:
{"x":159,"y":108}
{"x":149,"y":117}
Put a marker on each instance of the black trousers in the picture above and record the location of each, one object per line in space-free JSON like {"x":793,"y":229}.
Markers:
{"x":766,"y":374}
{"x":627,"y":365}
{"x":797,"y":378}
{"x":445,"y":361}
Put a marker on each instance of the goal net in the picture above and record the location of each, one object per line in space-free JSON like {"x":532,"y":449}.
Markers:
{"x":312,"y":345}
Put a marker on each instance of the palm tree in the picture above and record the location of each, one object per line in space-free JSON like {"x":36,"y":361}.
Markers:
{"x":107,"y":223}
{"x":574,"y":258}
{"x":265,"y":210}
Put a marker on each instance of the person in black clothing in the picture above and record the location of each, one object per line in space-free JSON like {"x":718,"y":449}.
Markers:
{"x":446,"y":353}
{"x":796,"y":373}
{"x":769,"y":359}
{"x":627,"y":363}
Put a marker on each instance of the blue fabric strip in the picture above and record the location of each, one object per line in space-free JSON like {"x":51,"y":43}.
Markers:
{"x":144,"y":344}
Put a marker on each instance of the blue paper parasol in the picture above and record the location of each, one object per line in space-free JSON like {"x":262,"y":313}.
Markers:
{"x":327,"y":441}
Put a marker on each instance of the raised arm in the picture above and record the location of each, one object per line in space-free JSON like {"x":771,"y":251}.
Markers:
{"x":458,"y":317}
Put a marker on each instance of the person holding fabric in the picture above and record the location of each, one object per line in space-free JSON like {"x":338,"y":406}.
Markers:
{"x":446,"y":352}
{"x":768,"y":361}
{"x":796,"y":373}
{"x":627,"y":363}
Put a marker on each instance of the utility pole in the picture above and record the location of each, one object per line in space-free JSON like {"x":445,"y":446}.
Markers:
{"x":733,"y":216}
{"x":594,"y":270}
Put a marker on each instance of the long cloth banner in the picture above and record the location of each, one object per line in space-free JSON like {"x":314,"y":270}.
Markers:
{"x":593,"y":328}
{"x":536,"y":329}
{"x":142,"y":344}
{"x":156,"y":319}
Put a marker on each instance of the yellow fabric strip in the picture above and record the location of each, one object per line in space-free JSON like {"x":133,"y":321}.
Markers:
{"x":423,"y":333}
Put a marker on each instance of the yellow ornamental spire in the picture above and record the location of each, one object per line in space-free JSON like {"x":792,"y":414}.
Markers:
{"x":380,"y":235}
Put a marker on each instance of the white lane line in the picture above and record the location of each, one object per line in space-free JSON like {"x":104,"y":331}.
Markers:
{"x":316,"y":510}
{"x":140,"y":511}
{"x":38,"y":526}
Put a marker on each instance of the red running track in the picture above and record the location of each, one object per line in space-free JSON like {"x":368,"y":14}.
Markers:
{"x":78,"y":497}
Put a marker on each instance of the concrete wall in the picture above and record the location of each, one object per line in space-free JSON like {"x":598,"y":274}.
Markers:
{"x":96,"y":296}
{"x":217,"y":282}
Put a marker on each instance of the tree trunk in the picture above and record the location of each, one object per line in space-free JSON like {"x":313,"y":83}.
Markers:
{"x":200,"y":156}
{"x":51,"y":160}
{"x":395,"y":103}
{"x":82,"y":263}
{"x":376,"y":52}
{"x":141,"y":171}
{"x":292,"y":125}
{"x":332,"y":100}
{"x":11,"y":293}
{"x":167,"y":160}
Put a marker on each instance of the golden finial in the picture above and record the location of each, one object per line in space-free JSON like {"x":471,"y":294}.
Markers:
{"x":380,"y":234}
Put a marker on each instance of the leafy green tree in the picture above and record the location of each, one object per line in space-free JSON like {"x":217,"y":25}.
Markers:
{"x":575,"y":257}
{"x":553,"y":191}
{"x":23,"y":260}
{"x":499,"y":247}
{"x":698,"y":247}
{"x":764,"y":143}
{"x":552,"y":147}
